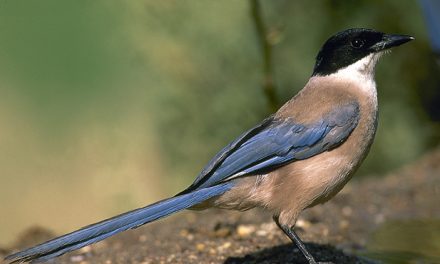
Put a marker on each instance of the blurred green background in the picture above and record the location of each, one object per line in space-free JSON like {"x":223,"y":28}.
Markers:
{"x":109,"y":105}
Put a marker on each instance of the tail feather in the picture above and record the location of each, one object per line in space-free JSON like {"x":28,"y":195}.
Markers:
{"x":104,"y":229}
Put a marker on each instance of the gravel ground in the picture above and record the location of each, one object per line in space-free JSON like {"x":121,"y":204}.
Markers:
{"x":332,"y":232}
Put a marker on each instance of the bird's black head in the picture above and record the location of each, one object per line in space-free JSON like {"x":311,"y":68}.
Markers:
{"x":351,"y":45}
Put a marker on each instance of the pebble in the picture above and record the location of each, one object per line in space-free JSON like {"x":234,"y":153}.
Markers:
{"x":192,"y":256}
{"x":262,"y":232}
{"x":222,"y":232}
{"x":85,"y":249}
{"x":239,"y":250}
{"x":200,"y":246}
{"x":266,"y":229}
{"x":304,"y":224}
{"x":224,"y":246}
{"x":245,"y":230}
{"x":171,"y":258}
{"x":77,"y":258}
{"x":325,"y":231}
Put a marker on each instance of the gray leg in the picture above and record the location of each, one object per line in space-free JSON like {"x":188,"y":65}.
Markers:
{"x":295,"y":239}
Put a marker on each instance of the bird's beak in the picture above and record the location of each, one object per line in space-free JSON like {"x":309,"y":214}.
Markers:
{"x":391,"y":40}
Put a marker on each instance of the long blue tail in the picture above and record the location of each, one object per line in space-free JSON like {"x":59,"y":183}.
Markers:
{"x":104,"y":229}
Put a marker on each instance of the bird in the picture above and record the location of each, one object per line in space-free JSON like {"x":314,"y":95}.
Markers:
{"x":300,"y":156}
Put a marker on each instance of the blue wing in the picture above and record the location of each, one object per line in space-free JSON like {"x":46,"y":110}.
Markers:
{"x":276,"y":142}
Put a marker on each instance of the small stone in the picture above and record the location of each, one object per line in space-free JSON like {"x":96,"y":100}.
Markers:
{"x":77,"y":258}
{"x":200,"y":246}
{"x":262,"y":232}
{"x":226,"y":245}
{"x":142,"y":238}
{"x":239,"y":250}
{"x":325,"y":231}
{"x":222,"y":232}
{"x":304,"y":224}
{"x":171,"y":258}
{"x":85,"y":249}
{"x":245,"y":230}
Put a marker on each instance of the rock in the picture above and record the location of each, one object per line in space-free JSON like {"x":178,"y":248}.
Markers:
{"x":245,"y":230}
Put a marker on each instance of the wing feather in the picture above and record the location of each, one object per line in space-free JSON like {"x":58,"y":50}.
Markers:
{"x":276,"y":142}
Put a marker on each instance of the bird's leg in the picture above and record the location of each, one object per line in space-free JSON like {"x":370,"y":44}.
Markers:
{"x":295,"y":239}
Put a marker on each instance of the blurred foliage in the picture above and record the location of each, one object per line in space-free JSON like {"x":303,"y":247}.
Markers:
{"x":106,"y":105}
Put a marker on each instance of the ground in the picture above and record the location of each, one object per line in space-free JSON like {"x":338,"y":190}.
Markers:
{"x":337,"y":231}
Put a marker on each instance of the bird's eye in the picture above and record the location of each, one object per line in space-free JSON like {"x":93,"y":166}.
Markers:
{"x":357,"y":43}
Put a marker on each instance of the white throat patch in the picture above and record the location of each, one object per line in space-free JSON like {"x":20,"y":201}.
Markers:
{"x":363,"y":68}
{"x":361,"y":72}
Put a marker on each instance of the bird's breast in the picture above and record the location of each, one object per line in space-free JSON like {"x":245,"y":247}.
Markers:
{"x":305,"y":183}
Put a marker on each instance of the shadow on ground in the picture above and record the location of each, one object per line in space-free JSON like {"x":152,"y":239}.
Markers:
{"x":289,"y":254}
